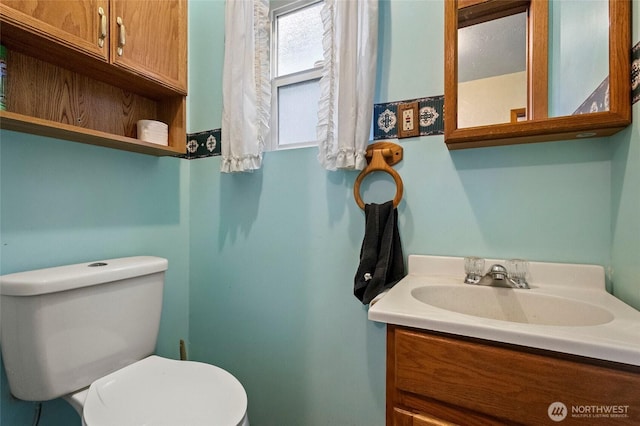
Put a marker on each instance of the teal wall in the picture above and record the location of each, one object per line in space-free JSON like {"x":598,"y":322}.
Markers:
{"x":261,"y":264}
{"x":625,"y":220}
{"x":64,"y":203}
{"x":625,"y":200}
{"x":273,"y":253}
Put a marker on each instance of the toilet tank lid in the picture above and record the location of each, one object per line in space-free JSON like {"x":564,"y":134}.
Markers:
{"x":61,"y":278}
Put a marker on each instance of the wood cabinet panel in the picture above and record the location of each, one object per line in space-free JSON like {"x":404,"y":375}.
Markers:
{"x":73,"y":23}
{"x":458,"y":379}
{"x":402,"y":417}
{"x":155,"y":39}
{"x":66,"y":97}
{"x":405,"y":418}
{"x":451,"y":412}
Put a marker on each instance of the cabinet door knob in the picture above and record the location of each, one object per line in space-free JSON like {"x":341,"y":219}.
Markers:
{"x":102,"y":32}
{"x":122,"y":34}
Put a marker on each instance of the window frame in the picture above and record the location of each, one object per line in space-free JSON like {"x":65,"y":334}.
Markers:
{"x":315,"y":73}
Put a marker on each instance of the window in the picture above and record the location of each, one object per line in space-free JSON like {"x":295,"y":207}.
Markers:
{"x":296,"y":68}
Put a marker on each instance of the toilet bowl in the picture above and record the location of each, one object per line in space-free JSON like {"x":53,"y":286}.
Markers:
{"x":161,"y":391}
{"x":87,"y":333}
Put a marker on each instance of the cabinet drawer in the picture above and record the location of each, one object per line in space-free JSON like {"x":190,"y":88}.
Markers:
{"x":405,"y":418}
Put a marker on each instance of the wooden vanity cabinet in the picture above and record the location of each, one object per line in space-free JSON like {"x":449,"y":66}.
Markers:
{"x":69,"y":76}
{"x":440,"y":379}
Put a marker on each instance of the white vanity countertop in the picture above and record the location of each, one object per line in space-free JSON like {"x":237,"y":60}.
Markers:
{"x":616,"y":340}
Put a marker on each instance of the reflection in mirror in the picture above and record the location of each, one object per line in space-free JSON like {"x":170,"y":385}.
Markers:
{"x":578,"y":52}
{"x":494,"y":79}
{"x":492,"y":71}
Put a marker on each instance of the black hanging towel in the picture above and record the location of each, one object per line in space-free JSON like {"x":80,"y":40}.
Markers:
{"x":381,"y":261}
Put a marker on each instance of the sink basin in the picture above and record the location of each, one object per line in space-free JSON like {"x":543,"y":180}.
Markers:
{"x":567,"y":309}
{"x":512,"y":305}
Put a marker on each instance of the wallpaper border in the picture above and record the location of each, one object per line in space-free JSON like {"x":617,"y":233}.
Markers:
{"x":385,"y":122}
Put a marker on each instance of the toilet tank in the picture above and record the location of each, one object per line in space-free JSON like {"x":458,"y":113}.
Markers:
{"x":64,"y":327}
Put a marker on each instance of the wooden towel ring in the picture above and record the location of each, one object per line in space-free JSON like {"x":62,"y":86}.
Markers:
{"x":381,"y":156}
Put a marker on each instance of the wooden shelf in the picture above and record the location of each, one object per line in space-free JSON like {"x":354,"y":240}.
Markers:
{"x":81,"y":109}
{"x":40,"y":127}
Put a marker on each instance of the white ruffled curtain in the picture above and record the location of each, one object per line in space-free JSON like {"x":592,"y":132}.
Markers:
{"x":246,"y":86}
{"x":348,"y":82}
{"x":347,"y":85}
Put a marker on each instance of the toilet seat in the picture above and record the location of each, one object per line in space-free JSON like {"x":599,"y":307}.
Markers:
{"x":159,"y":391}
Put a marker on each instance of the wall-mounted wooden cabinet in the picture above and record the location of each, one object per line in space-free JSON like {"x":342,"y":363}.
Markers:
{"x":150,"y":38}
{"x":436,"y":379}
{"x":565,"y":97}
{"x":88,"y":70}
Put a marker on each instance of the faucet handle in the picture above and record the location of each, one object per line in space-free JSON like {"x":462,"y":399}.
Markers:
{"x":474,"y":268}
{"x":518,"y":270}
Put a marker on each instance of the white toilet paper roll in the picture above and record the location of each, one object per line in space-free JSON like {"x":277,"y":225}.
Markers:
{"x":153,"y":131}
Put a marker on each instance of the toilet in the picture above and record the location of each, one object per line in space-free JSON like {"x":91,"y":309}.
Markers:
{"x":87,"y":333}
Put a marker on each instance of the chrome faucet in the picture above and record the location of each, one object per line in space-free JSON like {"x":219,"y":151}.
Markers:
{"x":498,"y":277}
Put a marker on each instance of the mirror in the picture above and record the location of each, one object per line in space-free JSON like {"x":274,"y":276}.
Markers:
{"x":578,"y":52}
{"x":521,"y":71}
{"x":492,"y":71}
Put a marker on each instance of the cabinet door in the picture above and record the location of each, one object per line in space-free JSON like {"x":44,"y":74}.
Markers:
{"x":149,"y":38}
{"x":81,"y":25}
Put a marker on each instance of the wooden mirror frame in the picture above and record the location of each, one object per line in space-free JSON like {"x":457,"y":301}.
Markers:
{"x":539,"y":127}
